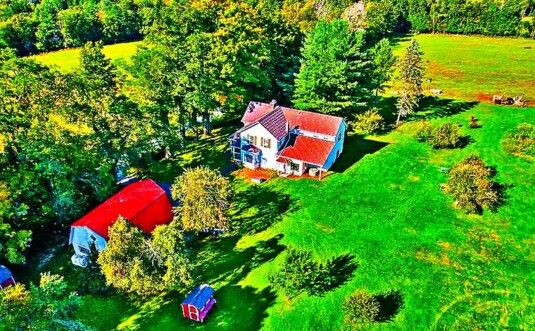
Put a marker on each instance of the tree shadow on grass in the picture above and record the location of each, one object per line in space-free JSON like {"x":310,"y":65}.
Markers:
{"x":431,"y":107}
{"x":355,"y":148}
{"x":337,"y":272}
{"x":390,"y":304}
{"x":259,"y":207}
{"x":222,"y":261}
{"x":239,"y":308}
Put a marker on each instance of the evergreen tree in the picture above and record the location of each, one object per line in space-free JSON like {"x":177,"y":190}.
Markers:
{"x":411,"y":75}
{"x":334,"y":73}
{"x":383,"y":62}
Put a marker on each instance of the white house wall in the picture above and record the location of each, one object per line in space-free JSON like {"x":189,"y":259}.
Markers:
{"x":81,"y":237}
{"x":268,"y":155}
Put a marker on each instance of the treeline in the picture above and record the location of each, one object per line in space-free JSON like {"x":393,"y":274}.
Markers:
{"x":35,"y":26}
{"x":484,"y":17}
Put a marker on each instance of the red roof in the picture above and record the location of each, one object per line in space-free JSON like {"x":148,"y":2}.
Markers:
{"x":312,"y":122}
{"x":256,"y":110}
{"x":309,"y":150}
{"x":143,"y":203}
{"x":269,"y":115}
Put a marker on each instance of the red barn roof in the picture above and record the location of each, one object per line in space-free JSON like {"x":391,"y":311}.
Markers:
{"x":310,"y":150}
{"x":144,"y":204}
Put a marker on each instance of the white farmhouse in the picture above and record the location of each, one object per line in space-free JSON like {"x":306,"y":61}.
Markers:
{"x":287,"y":140}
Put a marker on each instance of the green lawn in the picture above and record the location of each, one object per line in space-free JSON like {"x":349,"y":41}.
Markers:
{"x":475,"y":67}
{"x":68,"y":59}
{"x":431,"y":266}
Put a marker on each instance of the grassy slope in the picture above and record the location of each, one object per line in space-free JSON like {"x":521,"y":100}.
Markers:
{"x":68,"y":59}
{"x":465,"y":66}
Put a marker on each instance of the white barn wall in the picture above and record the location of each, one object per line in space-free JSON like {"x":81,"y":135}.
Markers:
{"x":81,"y":236}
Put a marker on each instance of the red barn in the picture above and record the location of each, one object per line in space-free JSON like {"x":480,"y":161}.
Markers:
{"x":198,"y":303}
{"x":6,"y":277}
{"x":144,"y":204}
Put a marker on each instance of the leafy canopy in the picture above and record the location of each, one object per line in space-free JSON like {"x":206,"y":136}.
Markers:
{"x":204,"y":197}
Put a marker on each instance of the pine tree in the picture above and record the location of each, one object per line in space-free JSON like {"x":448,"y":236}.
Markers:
{"x":383,"y":62}
{"x":334,"y":72}
{"x":411,"y":74}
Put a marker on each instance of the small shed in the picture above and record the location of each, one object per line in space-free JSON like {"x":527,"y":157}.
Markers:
{"x":198,"y":303}
{"x":6,"y":277}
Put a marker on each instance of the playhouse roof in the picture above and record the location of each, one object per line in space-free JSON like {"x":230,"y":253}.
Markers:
{"x":145,"y":204}
{"x":5,"y":274}
{"x":199,"y":296}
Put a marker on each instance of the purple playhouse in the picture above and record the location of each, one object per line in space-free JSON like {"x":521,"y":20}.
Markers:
{"x":6,"y":278}
{"x":198,"y":303}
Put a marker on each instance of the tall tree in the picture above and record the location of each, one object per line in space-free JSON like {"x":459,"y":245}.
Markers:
{"x":204,"y":197}
{"x":383,"y":63}
{"x":411,"y":75}
{"x":136,"y":263}
{"x":334,"y":72}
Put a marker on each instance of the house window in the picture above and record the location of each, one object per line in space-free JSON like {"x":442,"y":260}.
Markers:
{"x":248,"y":158}
{"x":84,"y":250}
{"x":265,"y":142}
{"x":339,"y":136}
{"x":295,"y":166}
{"x":93,"y":237}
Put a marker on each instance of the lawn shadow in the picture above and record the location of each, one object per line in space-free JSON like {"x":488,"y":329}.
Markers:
{"x":211,"y":151}
{"x":239,"y":308}
{"x":432,"y":107}
{"x":355,"y":148}
{"x":259,"y":207}
{"x":337,"y":272}
{"x":390,"y":303}
{"x":220,"y":261}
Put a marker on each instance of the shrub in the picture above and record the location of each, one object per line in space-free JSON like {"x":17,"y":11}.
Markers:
{"x":369,"y":122}
{"x":423,"y":130}
{"x":299,"y":272}
{"x":361,"y":309}
{"x":474,"y":123}
{"x":446,"y":135}
{"x":469,"y":183}
{"x":521,"y":142}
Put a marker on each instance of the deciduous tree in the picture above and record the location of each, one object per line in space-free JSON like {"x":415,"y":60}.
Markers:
{"x":204,"y":197}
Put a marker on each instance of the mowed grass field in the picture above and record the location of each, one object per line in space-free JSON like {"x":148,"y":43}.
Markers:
{"x":68,"y":59}
{"x":431,"y":266}
{"x":475,"y":67}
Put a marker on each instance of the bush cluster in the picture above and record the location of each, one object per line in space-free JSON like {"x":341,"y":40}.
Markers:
{"x":469,"y":183}
{"x":521,"y":141}
{"x":369,"y":122}
{"x":361,"y":309}
{"x":446,"y":135}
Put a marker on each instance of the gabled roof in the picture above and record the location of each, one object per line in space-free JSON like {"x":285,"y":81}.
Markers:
{"x":275,"y":123}
{"x":312,"y":122}
{"x":5,"y":274}
{"x":307,"y":149}
{"x":274,"y":119}
{"x":143,"y":203}
{"x":199,"y":296}
{"x":255,"y":110}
